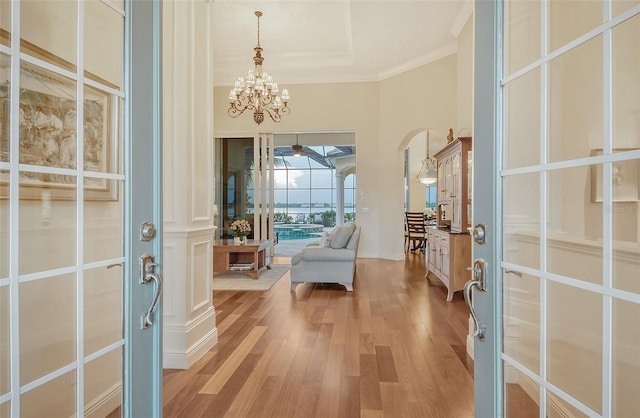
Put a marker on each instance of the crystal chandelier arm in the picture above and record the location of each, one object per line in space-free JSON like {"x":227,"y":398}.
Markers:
{"x":274,"y":114}
{"x":235,"y":111}
{"x":239,"y":105}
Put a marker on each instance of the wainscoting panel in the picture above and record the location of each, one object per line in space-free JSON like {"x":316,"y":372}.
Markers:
{"x":201,"y":261}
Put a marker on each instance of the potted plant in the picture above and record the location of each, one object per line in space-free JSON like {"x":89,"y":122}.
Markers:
{"x":240,"y":228}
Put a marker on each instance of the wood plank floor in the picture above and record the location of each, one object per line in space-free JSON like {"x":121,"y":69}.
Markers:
{"x":392,"y":348}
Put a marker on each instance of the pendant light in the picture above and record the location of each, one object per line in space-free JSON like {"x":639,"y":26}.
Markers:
{"x":428,"y":174}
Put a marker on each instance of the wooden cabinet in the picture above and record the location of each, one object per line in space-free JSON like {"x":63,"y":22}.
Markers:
{"x":454,"y":188}
{"x":448,"y":257}
{"x":449,"y":243}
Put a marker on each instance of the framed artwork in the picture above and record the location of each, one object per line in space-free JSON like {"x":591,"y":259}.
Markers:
{"x":48,"y":138}
{"x":625,"y":179}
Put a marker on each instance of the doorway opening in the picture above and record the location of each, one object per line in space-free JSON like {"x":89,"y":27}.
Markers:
{"x":307,"y":194}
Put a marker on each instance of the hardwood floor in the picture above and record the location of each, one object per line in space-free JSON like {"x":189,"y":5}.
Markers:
{"x":392,"y":348}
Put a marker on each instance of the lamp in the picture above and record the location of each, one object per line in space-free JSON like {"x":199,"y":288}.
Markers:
{"x":428,"y":173}
{"x":259,"y":92}
{"x":297,"y":149}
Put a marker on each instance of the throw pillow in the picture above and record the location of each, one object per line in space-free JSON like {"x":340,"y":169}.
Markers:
{"x":341,"y":235}
{"x":325,"y":240}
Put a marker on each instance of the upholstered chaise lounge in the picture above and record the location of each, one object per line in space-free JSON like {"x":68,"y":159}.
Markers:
{"x":333,"y":260}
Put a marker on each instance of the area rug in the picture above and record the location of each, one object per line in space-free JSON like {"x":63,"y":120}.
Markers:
{"x":238,"y":281}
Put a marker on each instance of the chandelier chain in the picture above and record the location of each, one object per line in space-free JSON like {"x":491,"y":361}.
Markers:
{"x":258,"y":13}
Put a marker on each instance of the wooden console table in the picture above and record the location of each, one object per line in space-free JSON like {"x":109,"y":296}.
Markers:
{"x":230,"y":258}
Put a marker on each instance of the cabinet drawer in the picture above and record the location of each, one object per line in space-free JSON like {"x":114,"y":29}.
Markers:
{"x":444,"y":240}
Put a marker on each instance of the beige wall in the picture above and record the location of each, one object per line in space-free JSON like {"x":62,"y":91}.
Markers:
{"x":464,"y":118}
{"x":465,"y":78}
{"x":411,"y":102}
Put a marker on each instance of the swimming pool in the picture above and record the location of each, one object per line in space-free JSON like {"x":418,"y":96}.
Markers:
{"x":298,"y":231}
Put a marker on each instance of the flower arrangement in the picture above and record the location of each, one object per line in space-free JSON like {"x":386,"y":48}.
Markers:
{"x":429,"y":213}
{"x":240,"y":228}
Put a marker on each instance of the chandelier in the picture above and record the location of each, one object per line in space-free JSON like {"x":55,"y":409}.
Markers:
{"x":259,"y":92}
{"x":428,"y":173}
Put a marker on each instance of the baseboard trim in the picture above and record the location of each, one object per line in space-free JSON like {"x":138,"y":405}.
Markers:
{"x":470,"y":337}
{"x":366,"y":254}
{"x":554,"y":408}
{"x":184,"y":360}
{"x":106,"y":403}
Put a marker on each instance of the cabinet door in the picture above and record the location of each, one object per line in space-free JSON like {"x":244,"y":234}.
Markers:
{"x":448,"y":189}
{"x":441,"y":186}
{"x":432,"y":251}
{"x":445,"y":260}
{"x":456,"y":217}
{"x":438,"y":258}
{"x":456,"y":176}
{"x":469,"y":175}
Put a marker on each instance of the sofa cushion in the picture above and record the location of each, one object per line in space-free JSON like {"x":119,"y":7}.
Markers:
{"x":325,"y":240}
{"x":296,"y":258}
{"x":341,"y":235}
{"x":325,"y":254}
{"x":353,"y":241}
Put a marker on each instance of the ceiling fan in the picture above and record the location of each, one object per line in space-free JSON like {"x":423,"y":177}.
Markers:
{"x":297,"y":148}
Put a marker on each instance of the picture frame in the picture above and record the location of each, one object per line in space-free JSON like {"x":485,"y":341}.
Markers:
{"x":48,"y":137}
{"x":625,"y":179}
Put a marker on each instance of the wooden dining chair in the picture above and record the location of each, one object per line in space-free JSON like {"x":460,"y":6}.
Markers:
{"x":415,"y":232}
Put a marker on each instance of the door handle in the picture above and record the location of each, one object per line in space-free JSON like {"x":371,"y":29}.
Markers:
{"x":147,"y":276}
{"x":479,"y":269}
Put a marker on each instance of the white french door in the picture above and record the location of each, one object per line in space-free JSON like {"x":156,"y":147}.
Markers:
{"x":70,"y":302}
{"x":557,"y":182}
{"x":263,"y":189}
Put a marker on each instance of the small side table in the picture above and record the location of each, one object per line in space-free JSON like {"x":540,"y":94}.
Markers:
{"x":246,"y":259}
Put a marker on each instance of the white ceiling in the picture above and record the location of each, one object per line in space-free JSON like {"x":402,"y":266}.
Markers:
{"x":311,"y":41}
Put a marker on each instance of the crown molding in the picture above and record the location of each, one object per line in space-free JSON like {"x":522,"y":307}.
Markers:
{"x":461,"y":20}
{"x":440,"y":53}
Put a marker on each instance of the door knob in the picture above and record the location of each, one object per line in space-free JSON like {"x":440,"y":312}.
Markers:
{"x":478,"y":233}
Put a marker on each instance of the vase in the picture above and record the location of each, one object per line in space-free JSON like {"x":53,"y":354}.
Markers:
{"x":239,"y":240}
